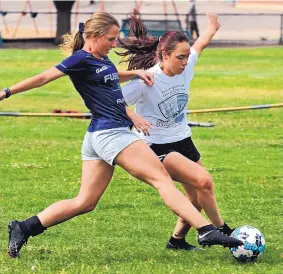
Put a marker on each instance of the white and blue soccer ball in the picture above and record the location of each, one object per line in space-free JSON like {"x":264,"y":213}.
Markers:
{"x":254,"y":244}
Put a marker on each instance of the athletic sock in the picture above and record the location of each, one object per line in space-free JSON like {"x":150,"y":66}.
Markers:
{"x":176,"y":242}
{"x":225,"y":229}
{"x":32,"y":226}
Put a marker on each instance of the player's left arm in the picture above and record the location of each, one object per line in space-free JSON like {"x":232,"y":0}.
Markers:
{"x":212,"y":27}
{"x":146,"y":76}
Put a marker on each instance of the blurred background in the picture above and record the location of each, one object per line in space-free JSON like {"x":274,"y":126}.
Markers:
{"x":40,"y":157}
{"x":244,"y":22}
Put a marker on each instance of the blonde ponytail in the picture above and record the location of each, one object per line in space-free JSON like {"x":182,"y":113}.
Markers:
{"x":97,"y":25}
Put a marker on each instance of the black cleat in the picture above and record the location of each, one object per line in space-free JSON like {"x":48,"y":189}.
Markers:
{"x":184,"y":246}
{"x":16,"y":239}
{"x":214,"y":237}
{"x":225,"y":229}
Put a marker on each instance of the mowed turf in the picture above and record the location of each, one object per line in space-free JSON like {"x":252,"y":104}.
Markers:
{"x":40,"y":163}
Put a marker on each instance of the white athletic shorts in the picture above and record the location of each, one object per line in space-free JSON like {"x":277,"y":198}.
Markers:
{"x":106,"y":144}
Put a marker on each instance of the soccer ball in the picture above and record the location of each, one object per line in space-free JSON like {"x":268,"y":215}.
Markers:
{"x":254,"y":244}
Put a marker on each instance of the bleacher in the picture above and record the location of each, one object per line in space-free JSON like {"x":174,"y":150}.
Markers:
{"x":154,"y":27}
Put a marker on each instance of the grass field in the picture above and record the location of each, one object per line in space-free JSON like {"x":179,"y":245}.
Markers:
{"x":40,"y":164}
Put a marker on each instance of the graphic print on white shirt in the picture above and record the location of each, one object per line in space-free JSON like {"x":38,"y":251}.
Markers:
{"x":164,"y":103}
{"x":172,"y":109}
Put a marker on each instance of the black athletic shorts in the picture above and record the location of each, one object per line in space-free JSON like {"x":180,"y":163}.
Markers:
{"x":185,"y":147}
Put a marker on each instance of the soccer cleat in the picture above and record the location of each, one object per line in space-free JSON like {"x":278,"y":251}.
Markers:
{"x":16,"y":239}
{"x":184,"y":246}
{"x":225,"y":229}
{"x":214,"y":237}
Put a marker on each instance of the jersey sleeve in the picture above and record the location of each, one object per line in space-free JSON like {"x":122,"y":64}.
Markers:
{"x":133,"y":91}
{"x":72,"y":65}
{"x":193,"y":58}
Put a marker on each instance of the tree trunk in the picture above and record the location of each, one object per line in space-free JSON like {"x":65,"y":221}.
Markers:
{"x":64,"y":9}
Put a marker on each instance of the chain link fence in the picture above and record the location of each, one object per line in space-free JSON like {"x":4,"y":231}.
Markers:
{"x":237,"y":25}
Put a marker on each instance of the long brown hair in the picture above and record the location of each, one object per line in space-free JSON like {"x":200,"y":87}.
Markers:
{"x":97,"y":25}
{"x":141,"y":50}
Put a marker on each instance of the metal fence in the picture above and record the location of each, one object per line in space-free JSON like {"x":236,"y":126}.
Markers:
{"x":265,"y":28}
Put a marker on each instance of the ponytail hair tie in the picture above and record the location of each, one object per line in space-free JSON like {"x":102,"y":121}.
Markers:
{"x":81,"y":27}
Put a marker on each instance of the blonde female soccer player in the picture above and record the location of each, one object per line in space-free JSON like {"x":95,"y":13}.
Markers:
{"x":108,"y":140}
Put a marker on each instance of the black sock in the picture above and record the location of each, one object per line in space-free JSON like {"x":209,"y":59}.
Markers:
{"x":32,"y":226}
{"x":176,"y":242}
{"x":222,"y":225}
{"x":226,"y":229}
{"x":205,"y":228}
{"x":225,"y":226}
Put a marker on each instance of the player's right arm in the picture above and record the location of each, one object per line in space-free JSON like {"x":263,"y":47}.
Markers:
{"x":34,"y":82}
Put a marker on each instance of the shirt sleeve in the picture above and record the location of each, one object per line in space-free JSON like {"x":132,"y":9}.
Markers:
{"x":133,"y":91}
{"x":72,"y":64}
{"x":193,"y":58}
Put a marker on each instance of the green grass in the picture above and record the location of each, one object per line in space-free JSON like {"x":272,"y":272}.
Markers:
{"x":40,"y":164}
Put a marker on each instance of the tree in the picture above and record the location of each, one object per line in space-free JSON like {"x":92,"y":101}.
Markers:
{"x":64,"y":9}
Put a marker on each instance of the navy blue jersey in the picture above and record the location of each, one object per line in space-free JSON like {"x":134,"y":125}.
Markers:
{"x":97,"y":82}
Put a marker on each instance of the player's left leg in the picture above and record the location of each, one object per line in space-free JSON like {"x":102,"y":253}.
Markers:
{"x":177,"y":240}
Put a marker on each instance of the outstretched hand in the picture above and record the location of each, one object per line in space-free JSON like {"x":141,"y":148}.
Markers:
{"x":212,"y":27}
{"x":212,"y":21}
{"x":146,"y":76}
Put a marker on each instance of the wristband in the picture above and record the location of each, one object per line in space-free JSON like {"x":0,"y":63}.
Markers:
{"x":7,"y":92}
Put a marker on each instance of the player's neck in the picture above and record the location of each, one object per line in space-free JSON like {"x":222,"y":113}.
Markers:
{"x":93,"y":50}
{"x":167,"y":71}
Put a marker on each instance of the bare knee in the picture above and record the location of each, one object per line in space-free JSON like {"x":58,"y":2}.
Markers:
{"x":83,"y":205}
{"x":205,"y":183}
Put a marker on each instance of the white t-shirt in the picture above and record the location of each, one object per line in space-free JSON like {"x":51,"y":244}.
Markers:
{"x":163,"y":104}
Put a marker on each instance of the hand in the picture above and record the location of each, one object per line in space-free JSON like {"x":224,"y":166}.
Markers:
{"x":142,"y":124}
{"x":2,"y":95}
{"x":212,"y":22}
{"x":146,"y":76}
